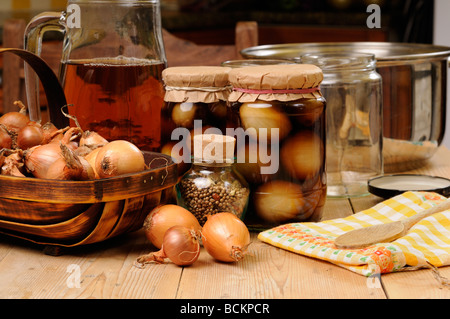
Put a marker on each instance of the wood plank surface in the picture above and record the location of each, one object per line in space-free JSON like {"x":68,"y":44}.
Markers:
{"x":272,"y":273}
{"x":106,"y":270}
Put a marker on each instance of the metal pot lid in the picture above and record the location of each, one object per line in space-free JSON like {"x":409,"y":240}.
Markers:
{"x":391,"y":185}
{"x":384,"y":51}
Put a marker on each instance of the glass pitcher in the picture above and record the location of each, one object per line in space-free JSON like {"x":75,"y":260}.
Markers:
{"x":112,"y":59}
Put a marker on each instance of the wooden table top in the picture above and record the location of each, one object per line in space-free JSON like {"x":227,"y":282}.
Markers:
{"x":106,"y":270}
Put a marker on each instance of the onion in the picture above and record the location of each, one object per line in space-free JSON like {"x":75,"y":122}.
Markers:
{"x":163,"y":217}
{"x":48,"y":132}
{"x":264,"y":115}
{"x":70,"y":167}
{"x":30,"y":135}
{"x":117,"y":158}
{"x":5,"y":138}
{"x":90,"y":157}
{"x":71,"y":136}
{"x":225,"y":237}
{"x":184,"y":114}
{"x":279,"y":201}
{"x":83,"y":150}
{"x":180,"y":244}
{"x":92,"y":139}
{"x":12,"y":164}
{"x":302,"y":155}
{"x":58,"y":135}
{"x":39,"y":158}
{"x":14,"y":121}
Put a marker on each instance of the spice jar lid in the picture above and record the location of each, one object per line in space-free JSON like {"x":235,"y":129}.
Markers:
{"x":214,"y":148}
{"x":275,"y":82}
{"x":205,"y":84}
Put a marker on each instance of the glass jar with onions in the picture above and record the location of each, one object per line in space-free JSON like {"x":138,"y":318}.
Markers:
{"x":278,"y":113}
{"x":195,"y":102}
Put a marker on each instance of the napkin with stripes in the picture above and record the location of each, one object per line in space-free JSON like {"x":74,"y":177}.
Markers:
{"x":427,"y":242}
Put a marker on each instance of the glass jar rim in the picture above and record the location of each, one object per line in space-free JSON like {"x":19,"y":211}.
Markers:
{"x":340,"y":62}
{"x":202,"y":162}
{"x":254,"y":62}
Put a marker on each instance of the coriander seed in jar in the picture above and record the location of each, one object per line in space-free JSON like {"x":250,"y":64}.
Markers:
{"x":195,"y":102}
{"x":212,"y":184}
{"x":278,"y":116}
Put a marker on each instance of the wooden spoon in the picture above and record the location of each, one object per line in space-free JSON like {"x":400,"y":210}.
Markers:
{"x":385,"y":233}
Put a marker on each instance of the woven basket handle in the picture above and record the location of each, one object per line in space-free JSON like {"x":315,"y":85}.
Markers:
{"x":53,"y":91}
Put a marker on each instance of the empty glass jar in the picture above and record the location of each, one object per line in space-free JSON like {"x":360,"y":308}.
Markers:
{"x":353,"y":91}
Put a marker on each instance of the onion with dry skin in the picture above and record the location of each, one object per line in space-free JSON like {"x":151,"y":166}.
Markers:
{"x":48,"y":131}
{"x":11,"y":163}
{"x":117,"y":158}
{"x":14,"y":121}
{"x":180,"y":244}
{"x":30,"y":135}
{"x":70,"y":167}
{"x":5,"y":138}
{"x":91,"y":157}
{"x":163,"y":217}
{"x":34,"y":134}
{"x":39,"y":158}
{"x":92,"y":140}
{"x":225,"y":237}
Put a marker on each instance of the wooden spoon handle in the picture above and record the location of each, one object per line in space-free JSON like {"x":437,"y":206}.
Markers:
{"x":411,"y":221}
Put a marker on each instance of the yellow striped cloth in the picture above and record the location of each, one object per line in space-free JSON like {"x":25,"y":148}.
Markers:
{"x":427,"y":241}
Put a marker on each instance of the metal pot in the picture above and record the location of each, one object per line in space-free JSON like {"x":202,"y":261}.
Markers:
{"x":414,"y":93}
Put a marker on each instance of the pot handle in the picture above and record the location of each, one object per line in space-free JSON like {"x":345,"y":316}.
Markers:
{"x":53,"y":91}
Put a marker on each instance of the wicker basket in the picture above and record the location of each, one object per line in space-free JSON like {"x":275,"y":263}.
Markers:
{"x":71,"y":213}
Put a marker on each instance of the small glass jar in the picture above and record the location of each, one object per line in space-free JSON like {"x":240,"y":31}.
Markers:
{"x":353,"y":90}
{"x":195,"y":102}
{"x":278,"y":114}
{"x":212,"y":185}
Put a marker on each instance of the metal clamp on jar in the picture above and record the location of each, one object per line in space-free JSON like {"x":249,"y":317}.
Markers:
{"x":278,"y":113}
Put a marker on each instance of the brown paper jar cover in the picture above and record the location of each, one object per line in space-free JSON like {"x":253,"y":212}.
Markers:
{"x":275,"y":77}
{"x":205,"y":84}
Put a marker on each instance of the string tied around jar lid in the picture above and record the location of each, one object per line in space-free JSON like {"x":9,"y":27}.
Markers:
{"x":278,"y":91}
{"x":202,"y":89}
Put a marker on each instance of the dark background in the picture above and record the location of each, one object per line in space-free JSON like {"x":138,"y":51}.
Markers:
{"x":213,"y":21}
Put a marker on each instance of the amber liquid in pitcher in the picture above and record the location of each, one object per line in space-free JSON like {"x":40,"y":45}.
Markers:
{"x":119,"y":98}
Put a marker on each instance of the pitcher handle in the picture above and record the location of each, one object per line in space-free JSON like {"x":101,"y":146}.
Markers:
{"x":34,"y":32}
{"x":52,"y":88}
